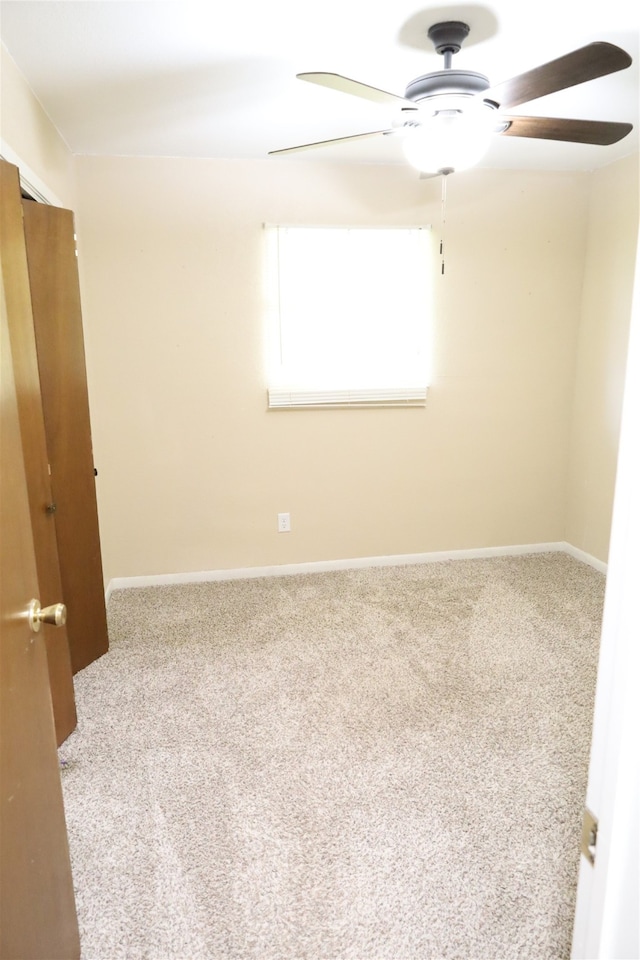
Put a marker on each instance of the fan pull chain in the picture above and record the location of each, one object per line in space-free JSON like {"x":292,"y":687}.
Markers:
{"x":443,"y":220}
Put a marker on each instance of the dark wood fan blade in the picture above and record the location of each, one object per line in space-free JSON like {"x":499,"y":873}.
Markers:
{"x":587,"y":63}
{"x":328,"y":143}
{"x":574,"y":131}
{"x":336,"y":82}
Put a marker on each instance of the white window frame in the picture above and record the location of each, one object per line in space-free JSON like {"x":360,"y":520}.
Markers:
{"x":407,"y":384}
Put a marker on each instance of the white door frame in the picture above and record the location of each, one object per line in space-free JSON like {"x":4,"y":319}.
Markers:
{"x":29,"y":179}
{"x":608,"y":902}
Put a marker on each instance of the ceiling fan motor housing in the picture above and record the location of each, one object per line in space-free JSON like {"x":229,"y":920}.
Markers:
{"x":456,"y":82}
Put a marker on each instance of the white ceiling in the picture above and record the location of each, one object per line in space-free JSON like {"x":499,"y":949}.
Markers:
{"x":207,"y":79}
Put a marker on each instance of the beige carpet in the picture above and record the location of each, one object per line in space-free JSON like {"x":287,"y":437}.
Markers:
{"x":384,"y":763}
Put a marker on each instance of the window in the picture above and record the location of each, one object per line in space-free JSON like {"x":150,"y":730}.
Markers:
{"x":349,"y":315}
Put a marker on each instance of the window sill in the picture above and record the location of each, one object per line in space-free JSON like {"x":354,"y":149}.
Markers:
{"x":282,"y":398}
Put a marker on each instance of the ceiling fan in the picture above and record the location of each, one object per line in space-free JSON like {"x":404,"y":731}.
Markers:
{"x":448,"y":117}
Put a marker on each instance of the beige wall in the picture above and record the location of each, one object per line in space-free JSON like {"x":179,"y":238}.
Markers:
{"x":30,"y":136}
{"x":194,"y":469}
{"x":518,"y":441}
{"x":602,"y":348}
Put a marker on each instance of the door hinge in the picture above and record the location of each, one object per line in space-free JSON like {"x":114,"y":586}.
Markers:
{"x":589,"y":836}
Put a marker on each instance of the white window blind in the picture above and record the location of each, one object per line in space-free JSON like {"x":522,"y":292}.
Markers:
{"x":349,"y":316}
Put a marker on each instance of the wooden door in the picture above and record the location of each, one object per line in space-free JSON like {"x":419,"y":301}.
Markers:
{"x":57,"y":319}
{"x":38,"y":919}
{"x":20,"y":320}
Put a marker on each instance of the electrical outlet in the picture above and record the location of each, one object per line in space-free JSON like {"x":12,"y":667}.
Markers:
{"x":284,"y":522}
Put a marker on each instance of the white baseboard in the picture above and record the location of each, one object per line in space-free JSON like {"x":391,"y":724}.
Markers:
{"x":578,"y":554}
{"x":323,"y":566}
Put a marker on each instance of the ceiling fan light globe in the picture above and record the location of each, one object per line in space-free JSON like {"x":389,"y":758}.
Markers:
{"x":449,"y":140}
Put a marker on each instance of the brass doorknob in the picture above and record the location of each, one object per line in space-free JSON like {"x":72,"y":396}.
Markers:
{"x":56,"y":614}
